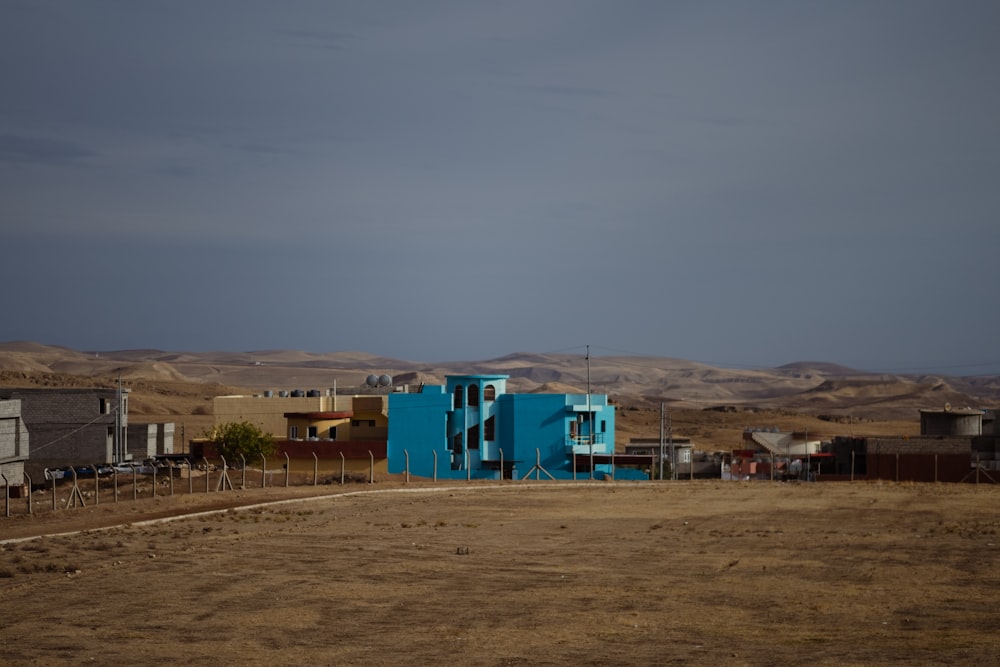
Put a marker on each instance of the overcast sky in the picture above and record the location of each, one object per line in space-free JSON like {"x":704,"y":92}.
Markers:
{"x":748,"y":183}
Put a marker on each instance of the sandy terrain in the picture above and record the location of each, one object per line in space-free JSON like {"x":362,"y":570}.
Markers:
{"x":516,"y":573}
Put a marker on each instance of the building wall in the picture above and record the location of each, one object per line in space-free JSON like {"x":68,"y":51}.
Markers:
{"x":13,"y":442}
{"x":418,"y":427}
{"x":68,"y":426}
{"x":267,"y":413}
{"x":146,"y":441}
{"x":951,"y":422}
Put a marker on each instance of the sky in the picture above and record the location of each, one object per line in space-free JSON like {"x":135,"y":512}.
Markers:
{"x":737,"y":183}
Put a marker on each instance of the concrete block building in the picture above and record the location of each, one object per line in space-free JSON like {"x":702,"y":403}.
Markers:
{"x":72,"y":426}
{"x":13,"y":443}
{"x":471,"y":427}
{"x":147,"y":441}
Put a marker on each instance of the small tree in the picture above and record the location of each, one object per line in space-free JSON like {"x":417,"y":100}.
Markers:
{"x":241,"y":438}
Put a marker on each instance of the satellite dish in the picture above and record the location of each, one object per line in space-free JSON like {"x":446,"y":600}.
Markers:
{"x":372,"y":380}
{"x":384,"y":380}
{"x":947,"y":407}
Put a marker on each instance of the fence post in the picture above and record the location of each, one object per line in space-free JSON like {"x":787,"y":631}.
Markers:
{"x":6,"y":494}
{"x":170,"y":467}
{"x":371,"y":468}
{"x":243,"y":484}
{"x":154,"y":477}
{"x":897,"y":466}
{"x":53,"y":489}
{"x":315,"y":469}
{"x":406,"y":456}
{"x":935,"y":468}
{"x":190,"y":482}
{"x":28,"y":477}
{"x":434,"y":452}
{"x":342,"y":465}
{"x":772,"y":466}
{"x":207,"y":475}
{"x":114,"y":481}
{"x":977,"y":467}
{"x":97,"y":487}
{"x":263,"y":471}
{"x":501,"y":465}
{"x":288,"y":468}
{"x":135,"y":484}
{"x":852,"y":464}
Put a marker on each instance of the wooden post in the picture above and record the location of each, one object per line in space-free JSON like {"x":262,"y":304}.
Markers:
{"x":28,"y":477}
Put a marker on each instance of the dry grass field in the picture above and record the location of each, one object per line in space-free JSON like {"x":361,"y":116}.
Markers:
{"x":525,"y":573}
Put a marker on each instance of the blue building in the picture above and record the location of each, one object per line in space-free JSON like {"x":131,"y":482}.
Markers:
{"x":471,"y":428}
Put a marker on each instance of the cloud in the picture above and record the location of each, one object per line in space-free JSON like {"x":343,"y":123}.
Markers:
{"x":14,"y":148}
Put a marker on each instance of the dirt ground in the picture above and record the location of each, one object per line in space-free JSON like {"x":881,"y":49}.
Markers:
{"x":598,"y":573}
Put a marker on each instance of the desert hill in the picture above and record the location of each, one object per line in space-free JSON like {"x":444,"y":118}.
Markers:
{"x":704,"y":401}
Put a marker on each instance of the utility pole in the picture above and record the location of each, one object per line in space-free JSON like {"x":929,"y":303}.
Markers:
{"x":673,"y":457}
{"x":590,"y":414}
{"x":661,"y":441}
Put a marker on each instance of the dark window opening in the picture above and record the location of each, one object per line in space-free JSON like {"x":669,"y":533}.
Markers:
{"x":333,"y":432}
{"x":311,"y":432}
{"x":490,"y":429}
{"x":489,"y":393}
{"x":473,"y":395}
{"x":458,"y":397}
{"x":473,"y":437}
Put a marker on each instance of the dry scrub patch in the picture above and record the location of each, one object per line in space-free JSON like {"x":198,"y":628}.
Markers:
{"x":526,"y":573}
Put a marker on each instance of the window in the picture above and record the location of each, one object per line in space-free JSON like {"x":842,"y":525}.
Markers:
{"x":311,"y":432}
{"x":489,"y":393}
{"x":604,"y":426}
{"x":105,"y":406}
{"x":293,"y":433}
{"x":490,"y":429}
{"x":473,"y":437}
{"x":473,"y":395}
{"x":458,"y":397}
{"x":333,"y":432}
